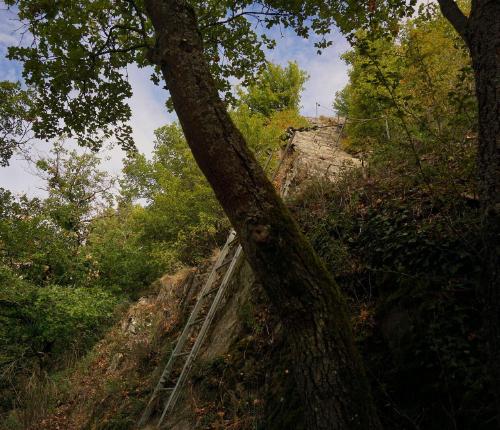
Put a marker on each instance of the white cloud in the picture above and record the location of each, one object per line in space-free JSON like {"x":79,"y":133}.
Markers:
{"x":327,"y":77}
{"x":7,"y":39}
{"x":148,"y":113}
{"x":19,"y":178}
{"x":148,"y":107}
{"x":9,"y":23}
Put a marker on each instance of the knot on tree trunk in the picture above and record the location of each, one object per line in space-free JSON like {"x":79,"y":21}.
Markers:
{"x":260,"y":233}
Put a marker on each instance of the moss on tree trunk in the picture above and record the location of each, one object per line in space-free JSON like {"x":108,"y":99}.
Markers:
{"x":328,"y":369}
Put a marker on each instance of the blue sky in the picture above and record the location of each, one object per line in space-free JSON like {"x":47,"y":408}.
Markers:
{"x":328,"y":74}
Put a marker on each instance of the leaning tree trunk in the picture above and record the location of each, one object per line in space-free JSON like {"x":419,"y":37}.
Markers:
{"x":481,"y":33}
{"x":328,"y":370}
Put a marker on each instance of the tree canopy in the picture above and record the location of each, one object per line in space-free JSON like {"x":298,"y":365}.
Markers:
{"x":76,"y":65}
{"x":275,"y":89}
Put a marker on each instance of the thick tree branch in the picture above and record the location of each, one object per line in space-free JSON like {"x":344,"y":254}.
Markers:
{"x":455,"y":16}
{"x":110,"y":41}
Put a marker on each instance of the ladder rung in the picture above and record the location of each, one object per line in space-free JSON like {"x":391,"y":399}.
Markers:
{"x":224,"y":264}
{"x":197,"y":321}
{"x":213,"y":290}
{"x":231,"y":241}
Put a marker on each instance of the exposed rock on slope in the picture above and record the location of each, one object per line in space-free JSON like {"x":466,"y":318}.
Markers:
{"x":104,"y":390}
{"x":316,"y":154}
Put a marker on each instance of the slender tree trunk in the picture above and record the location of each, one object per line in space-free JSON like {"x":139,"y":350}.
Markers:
{"x":481,"y":32}
{"x":484,"y":43}
{"x":328,"y":368}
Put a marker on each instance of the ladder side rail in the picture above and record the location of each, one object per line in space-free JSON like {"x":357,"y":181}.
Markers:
{"x":201,"y":336}
{"x":209,"y":317}
{"x":187,"y":328}
{"x":283,"y":156}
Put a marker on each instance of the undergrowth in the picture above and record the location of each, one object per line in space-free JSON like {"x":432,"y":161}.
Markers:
{"x":250,"y":387}
{"x":408,"y":257}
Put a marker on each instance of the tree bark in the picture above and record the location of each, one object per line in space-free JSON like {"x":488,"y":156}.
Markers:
{"x":484,"y":45}
{"x":328,"y":369}
{"x":481,"y":33}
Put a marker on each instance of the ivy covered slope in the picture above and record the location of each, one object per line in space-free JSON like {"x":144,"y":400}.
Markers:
{"x":409,"y":264}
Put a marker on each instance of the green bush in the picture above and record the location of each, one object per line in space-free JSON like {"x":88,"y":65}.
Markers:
{"x":72,"y":316}
{"x":40,"y":327}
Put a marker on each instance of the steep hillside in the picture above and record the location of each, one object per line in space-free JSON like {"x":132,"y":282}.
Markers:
{"x":242,"y":373}
{"x":406,"y":261}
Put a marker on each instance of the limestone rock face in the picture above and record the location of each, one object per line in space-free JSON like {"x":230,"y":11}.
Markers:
{"x":315,"y":154}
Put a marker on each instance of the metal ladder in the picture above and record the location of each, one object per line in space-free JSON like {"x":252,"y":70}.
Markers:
{"x":197,"y":326}
{"x":229,"y":258}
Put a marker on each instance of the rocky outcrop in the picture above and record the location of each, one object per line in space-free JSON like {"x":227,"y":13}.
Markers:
{"x":316,"y":154}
